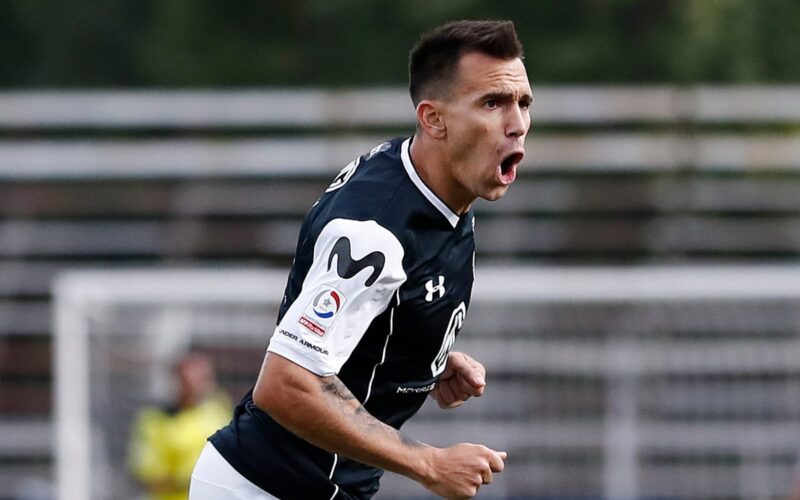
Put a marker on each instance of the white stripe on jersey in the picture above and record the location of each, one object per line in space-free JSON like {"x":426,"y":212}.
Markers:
{"x":333,"y":467}
{"x":335,"y":492}
{"x":330,"y":476}
{"x":385,"y":345}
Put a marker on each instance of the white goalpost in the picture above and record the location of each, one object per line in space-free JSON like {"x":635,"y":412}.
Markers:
{"x":84,"y":297}
{"x":613,"y":382}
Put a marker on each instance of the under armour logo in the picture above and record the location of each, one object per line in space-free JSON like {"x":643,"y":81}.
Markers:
{"x":347,"y":267}
{"x":434,"y":289}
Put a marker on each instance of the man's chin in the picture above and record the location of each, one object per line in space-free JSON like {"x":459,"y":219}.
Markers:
{"x":495,"y":194}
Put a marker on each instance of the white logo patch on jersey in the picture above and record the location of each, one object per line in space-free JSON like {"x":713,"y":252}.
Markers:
{"x":344,"y":175}
{"x":320,"y":314}
{"x":439,"y":288}
{"x":357,"y":268}
{"x":455,"y":324}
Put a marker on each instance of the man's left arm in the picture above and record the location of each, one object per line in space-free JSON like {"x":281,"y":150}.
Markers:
{"x":463,"y":377}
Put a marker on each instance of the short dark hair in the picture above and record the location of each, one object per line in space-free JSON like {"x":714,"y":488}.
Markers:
{"x":434,"y":59}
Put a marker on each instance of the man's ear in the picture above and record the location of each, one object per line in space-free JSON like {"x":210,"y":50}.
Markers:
{"x":430,"y":119}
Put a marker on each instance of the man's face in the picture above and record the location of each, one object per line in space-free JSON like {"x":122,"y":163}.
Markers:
{"x":486,"y":120}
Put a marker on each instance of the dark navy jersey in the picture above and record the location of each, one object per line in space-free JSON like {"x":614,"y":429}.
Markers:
{"x":377,"y":293}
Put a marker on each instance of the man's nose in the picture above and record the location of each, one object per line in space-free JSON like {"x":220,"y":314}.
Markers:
{"x":518,"y":122}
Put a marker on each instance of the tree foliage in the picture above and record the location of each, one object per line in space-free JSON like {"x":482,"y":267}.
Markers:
{"x":168,"y":43}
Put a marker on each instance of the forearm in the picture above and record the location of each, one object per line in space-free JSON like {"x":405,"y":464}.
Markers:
{"x":324,"y":412}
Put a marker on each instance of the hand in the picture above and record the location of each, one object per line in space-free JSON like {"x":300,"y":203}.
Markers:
{"x":459,"y":471}
{"x":462,"y":378}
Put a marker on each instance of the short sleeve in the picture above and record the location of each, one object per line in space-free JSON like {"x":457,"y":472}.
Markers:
{"x":357,"y":268}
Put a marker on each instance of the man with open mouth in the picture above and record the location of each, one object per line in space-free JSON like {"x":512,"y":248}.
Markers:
{"x":378,"y":292}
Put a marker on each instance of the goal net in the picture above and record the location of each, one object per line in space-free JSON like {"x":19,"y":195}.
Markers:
{"x":643,"y":382}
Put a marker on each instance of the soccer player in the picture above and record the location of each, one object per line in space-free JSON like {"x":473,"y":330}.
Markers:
{"x":378,"y":291}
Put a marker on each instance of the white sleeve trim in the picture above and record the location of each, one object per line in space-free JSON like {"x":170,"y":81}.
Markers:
{"x":298,"y":358}
{"x":357,"y":268}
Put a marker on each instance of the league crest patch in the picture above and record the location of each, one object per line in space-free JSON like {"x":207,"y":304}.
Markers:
{"x":320,"y":314}
{"x":380,"y":148}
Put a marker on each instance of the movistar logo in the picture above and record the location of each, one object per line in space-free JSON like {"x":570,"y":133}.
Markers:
{"x":347,"y":267}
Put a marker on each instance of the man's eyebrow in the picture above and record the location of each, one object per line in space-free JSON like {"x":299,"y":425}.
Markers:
{"x":505,"y":96}
{"x":497,"y":96}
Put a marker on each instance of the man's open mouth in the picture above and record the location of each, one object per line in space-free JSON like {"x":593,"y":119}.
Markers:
{"x":508,"y":167}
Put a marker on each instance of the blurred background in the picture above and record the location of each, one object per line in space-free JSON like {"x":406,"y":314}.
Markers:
{"x":639,"y":310}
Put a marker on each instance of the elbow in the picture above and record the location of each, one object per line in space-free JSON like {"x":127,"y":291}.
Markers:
{"x":270,"y":395}
{"x":263,"y":395}
{"x":282,"y":388}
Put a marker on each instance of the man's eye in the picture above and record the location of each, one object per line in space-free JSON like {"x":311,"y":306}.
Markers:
{"x":524,"y":104}
{"x":491,"y":104}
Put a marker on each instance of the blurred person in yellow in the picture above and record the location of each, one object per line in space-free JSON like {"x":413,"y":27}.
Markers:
{"x":166,"y":441}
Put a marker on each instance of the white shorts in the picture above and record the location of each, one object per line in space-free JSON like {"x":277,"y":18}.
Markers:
{"x":214,"y":478}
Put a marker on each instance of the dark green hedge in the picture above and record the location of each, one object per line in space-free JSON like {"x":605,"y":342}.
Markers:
{"x":216,"y":43}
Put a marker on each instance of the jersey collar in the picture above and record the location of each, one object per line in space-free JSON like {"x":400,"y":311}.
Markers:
{"x":451,"y":217}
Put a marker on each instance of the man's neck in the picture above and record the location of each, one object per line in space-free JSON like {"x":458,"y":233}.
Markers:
{"x":431,"y":163}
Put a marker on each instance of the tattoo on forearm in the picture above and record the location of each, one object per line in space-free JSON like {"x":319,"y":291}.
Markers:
{"x":352,"y":407}
{"x":355,"y":410}
{"x":334,"y":386}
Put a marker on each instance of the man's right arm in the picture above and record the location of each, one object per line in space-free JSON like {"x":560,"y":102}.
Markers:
{"x":324,"y":412}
